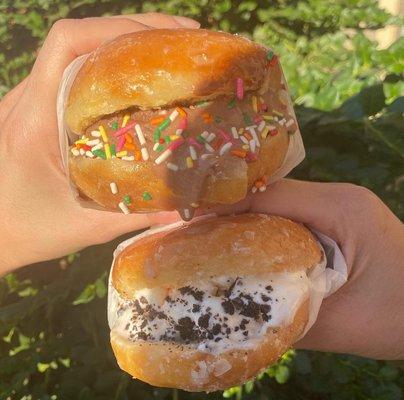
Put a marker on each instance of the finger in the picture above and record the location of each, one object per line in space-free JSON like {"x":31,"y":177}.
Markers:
{"x":70,"y":38}
{"x":159,"y":20}
{"x":67,"y":40}
{"x":315,"y":204}
{"x":110,"y":225}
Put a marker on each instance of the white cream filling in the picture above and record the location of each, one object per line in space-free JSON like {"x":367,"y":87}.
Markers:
{"x":211,"y":317}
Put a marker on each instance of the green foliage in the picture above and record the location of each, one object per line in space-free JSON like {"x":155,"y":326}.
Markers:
{"x":327,"y":35}
{"x":53,"y":329}
{"x":92,"y":290}
{"x":280,"y":372}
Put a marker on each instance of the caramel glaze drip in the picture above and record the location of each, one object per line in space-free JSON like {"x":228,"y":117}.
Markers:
{"x":217,"y":117}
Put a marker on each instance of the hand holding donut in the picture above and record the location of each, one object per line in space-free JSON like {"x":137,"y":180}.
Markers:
{"x":40,"y":218}
{"x":365,"y":316}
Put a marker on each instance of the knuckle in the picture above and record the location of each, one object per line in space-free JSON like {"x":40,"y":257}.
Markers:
{"x":61,"y":27}
{"x":155,"y":14}
{"x":356,"y":201}
{"x":362,"y":195}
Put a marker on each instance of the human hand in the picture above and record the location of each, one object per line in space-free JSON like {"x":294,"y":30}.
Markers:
{"x":40,"y":218}
{"x":366,"y":316}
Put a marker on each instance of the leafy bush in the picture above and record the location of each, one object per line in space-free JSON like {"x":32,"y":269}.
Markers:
{"x":53,"y":330}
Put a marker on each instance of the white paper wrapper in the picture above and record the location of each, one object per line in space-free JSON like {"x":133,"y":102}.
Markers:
{"x":324,"y":279}
{"x":295,"y":153}
{"x":65,"y":136}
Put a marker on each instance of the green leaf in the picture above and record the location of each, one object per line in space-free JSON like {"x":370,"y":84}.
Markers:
{"x":66,"y":362}
{"x":72,"y":257}
{"x":8,"y":337}
{"x":25,"y":343}
{"x":42,"y":367}
{"x":87,"y":295}
{"x":282,"y":374}
{"x":28,"y":291}
{"x":101,"y":287}
{"x":12,"y":282}
{"x":249,"y":386}
{"x":234,"y":391}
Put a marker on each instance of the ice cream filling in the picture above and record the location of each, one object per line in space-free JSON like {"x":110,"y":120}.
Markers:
{"x":220,"y":313}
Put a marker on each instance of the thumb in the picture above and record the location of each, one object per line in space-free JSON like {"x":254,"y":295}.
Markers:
{"x":322,"y":206}
{"x":110,"y":225}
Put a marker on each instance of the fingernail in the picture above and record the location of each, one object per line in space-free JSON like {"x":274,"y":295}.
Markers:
{"x":187,"y":22}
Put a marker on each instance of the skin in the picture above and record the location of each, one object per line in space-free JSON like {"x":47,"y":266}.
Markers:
{"x":366,"y":316}
{"x":41,"y":219}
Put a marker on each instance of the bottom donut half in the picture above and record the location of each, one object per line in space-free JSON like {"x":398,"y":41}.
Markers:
{"x":209,"y":305}
{"x":182,"y":366}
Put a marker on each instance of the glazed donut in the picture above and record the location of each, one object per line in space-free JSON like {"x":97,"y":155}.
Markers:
{"x":208,"y":305}
{"x":177,"y":119}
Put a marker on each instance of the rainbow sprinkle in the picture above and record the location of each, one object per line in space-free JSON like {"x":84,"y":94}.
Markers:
{"x":240,"y":88}
{"x":183,"y":123}
{"x":124,"y":208}
{"x":232,"y":103}
{"x":225,"y":148}
{"x":127,"y":200}
{"x":234,"y":132}
{"x":173,"y":167}
{"x":122,"y":153}
{"x":125,"y":120}
{"x":99,"y":153}
{"x":190,"y":163}
{"x":124,"y":129}
{"x":202,"y":103}
{"x":146,"y":196}
{"x":140,"y":135}
{"x":173,"y":115}
{"x":103,"y":134}
{"x":107,"y":150}
{"x":113,"y":187}
{"x":164,"y":124}
{"x":167,"y":153}
{"x":239,"y":153}
{"x":157,"y":120}
{"x":192,"y":153}
{"x":247,"y":118}
{"x":121,"y":143}
{"x":145,"y":154}
{"x":255,"y":103}
{"x":193,"y":142}
{"x":265,"y":131}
